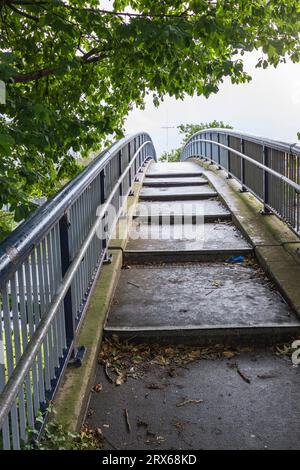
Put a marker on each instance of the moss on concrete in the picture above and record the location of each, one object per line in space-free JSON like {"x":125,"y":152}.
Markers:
{"x":72,"y":398}
{"x":73,"y":394}
{"x":283,"y":270}
{"x":294,"y":250}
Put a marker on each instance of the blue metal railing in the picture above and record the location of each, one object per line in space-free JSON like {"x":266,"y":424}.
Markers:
{"x":267,"y":168}
{"x":47,"y":270}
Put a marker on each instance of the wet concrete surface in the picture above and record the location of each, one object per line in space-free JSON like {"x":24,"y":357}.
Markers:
{"x":177,"y":193}
{"x":199,"y":296}
{"x":187,"y":237}
{"x":231,"y":414}
{"x":183,"y":181}
{"x":209,"y":207}
{"x":243,"y":400}
{"x":161,"y":170}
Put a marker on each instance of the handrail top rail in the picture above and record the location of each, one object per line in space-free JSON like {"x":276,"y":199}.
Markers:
{"x":291,"y":148}
{"x":251,"y":160}
{"x":21,"y":241}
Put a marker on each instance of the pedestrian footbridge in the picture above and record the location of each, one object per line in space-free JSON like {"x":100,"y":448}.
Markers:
{"x":183,"y":278}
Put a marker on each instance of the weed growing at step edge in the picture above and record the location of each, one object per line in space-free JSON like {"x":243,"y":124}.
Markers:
{"x":56,"y":437}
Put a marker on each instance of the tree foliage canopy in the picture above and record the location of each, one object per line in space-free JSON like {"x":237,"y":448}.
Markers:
{"x":73,"y":71}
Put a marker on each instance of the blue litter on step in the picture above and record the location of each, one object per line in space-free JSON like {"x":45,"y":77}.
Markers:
{"x":236,"y":259}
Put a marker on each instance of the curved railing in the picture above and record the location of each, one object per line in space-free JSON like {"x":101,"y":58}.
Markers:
{"x":267,"y":168}
{"x":47,"y":270}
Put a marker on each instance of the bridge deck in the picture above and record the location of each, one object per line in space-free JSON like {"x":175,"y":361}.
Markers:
{"x":204,"y":290}
{"x":226,"y":298}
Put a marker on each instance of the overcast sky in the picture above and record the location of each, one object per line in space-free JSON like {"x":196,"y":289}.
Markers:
{"x":269,"y":106}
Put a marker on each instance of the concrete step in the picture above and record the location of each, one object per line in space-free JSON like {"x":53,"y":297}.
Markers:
{"x":170,"y":170}
{"x":200,"y":304}
{"x":167,"y":182}
{"x":179,"y":218}
{"x":138,"y":257}
{"x":188,"y":242}
{"x":178,"y":193}
{"x":208,"y":208}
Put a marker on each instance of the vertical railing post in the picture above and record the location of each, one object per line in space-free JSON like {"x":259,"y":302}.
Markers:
{"x":102,"y":201}
{"x":219,"y":152}
{"x":134,"y":152}
{"x":228,"y":157}
{"x":65,"y":253}
{"x":140,"y":153}
{"x":211,"y":149}
{"x":130,"y":169}
{"x":265,"y":159}
{"x":243,"y":189}
{"x":131,"y":193}
{"x":120,"y":173}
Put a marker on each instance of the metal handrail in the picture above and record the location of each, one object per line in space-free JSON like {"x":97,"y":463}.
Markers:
{"x":251,"y":160}
{"x":16,"y":380}
{"x":48,"y":267}
{"x":292,"y":148}
{"x":19,"y":244}
{"x":269,"y":169}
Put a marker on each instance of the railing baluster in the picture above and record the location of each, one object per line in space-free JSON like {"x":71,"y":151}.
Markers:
{"x":65,"y":263}
{"x":266,"y":180}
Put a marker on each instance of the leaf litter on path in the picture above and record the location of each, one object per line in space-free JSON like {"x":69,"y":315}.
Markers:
{"x":127,"y":359}
{"x":122,"y":359}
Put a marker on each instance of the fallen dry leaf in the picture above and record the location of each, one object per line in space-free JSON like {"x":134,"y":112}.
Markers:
{"x":97,"y":388}
{"x":126,"y":415}
{"x":121,"y":378}
{"x":189,"y":402}
{"x":243,"y":376}
{"x":216,"y":283}
{"x":229,"y":354}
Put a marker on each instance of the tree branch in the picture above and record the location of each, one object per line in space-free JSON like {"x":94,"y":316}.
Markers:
{"x":86,"y":59}
{"x":184,"y":14}
{"x":22,"y":13}
{"x":26,"y":2}
{"x":31,"y":76}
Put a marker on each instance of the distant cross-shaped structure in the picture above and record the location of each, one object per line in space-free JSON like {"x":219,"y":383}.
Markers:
{"x":167,"y":137}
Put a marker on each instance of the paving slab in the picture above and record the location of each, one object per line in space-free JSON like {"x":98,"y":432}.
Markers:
{"x":177,"y":193}
{"x":188,"y":237}
{"x":207,"y":207}
{"x":166,"y":170}
{"x":172,"y":211}
{"x":171,"y":181}
{"x":231,"y":414}
{"x":216,"y":296}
